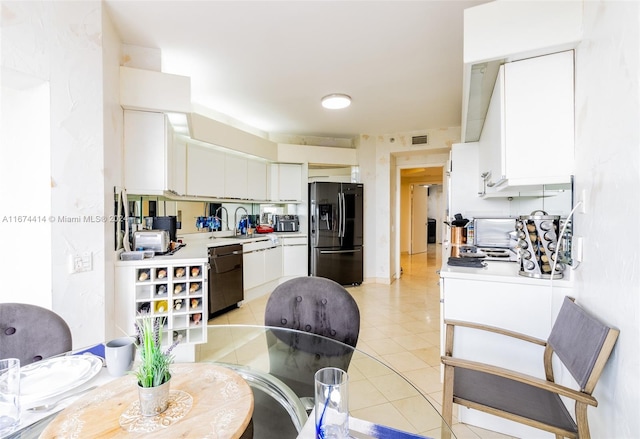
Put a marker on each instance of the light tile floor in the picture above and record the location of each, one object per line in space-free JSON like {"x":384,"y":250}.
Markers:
{"x":399,"y":325}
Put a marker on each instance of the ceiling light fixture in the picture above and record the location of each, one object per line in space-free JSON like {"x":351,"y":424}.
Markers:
{"x":336,"y":101}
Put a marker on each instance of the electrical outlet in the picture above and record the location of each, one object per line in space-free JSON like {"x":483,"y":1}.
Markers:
{"x":576,"y":251}
{"x":584,"y":201}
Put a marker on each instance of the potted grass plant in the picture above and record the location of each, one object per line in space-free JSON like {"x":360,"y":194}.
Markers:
{"x":153,"y":372}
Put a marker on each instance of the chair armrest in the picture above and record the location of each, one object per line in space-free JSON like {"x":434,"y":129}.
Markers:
{"x":496,"y":330}
{"x":523,"y":378}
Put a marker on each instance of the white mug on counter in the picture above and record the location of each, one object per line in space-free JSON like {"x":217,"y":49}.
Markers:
{"x":119,"y":355}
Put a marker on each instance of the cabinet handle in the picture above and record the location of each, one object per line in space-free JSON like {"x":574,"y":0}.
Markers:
{"x":497,"y":183}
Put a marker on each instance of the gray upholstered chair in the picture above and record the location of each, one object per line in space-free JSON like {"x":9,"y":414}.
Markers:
{"x":312,"y":305}
{"x":31,"y":333}
{"x":318,"y":306}
{"x":581,"y":342}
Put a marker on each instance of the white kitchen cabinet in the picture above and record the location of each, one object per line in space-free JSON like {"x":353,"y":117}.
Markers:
{"x":148,"y":140}
{"x":252,"y":268}
{"x":178,"y":168}
{"x":262,"y":263}
{"x":235,"y":177}
{"x":173,"y":290}
{"x":528,"y":136}
{"x":257,"y":180}
{"x":205,"y":171}
{"x":273,"y":263}
{"x":286,"y":182}
{"x":294,"y":257}
{"x":498,"y":296}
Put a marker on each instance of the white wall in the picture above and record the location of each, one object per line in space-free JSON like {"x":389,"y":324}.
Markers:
{"x":113,"y":125}
{"x":376,"y":172}
{"x":62,"y":43}
{"x":608,"y":167}
{"x":25,"y":152}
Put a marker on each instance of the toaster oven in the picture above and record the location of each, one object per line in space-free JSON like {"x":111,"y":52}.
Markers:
{"x":496,"y":238}
{"x":156,"y":240}
{"x":494,"y":232}
{"x":286,"y":223}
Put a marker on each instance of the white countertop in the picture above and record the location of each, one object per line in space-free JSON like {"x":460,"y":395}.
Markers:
{"x":197,"y":246}
{"x":500,"y":271}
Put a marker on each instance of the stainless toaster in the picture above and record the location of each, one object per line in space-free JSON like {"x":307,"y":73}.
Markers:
{"x":156,"y":240}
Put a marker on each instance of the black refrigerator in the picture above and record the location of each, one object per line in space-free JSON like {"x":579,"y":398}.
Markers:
{"x":335,"y":231}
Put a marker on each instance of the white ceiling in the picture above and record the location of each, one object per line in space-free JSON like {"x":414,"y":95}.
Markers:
{"x":268,"y":63}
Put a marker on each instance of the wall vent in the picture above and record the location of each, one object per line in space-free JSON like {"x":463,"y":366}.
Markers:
{"x":419,"y":140}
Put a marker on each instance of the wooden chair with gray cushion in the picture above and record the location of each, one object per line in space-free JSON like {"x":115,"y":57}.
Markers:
{"x":31,"y":333}
{"x":581,"y":342}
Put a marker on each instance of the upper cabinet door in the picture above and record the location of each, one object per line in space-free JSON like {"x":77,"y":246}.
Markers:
{"x":235,"y":177}
{"x":257,"y":180}
{"x":528,"y":135}
{"x":205,"y":172}
{"x":491,"y":144}
{"x":539,"y":119}
{"x":146,"y":138}
{"x":178,"y":167}
{"x":286,"y":182}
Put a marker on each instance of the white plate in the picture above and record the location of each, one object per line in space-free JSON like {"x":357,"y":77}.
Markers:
{"x":55,"y":376}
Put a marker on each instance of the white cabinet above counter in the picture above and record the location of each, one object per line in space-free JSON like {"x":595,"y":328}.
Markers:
{"x":159,"y":162}
{"x":500,"y":31}
{"x":528,"y":135}
{"x":148,"y":150}
{"x":286,"y":182}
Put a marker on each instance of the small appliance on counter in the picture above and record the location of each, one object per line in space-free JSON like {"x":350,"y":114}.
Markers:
{"x":156,"y":240}
{"x":538,"y":245}
{"x":168,"y":223}
{"x":264,"y":228}
{"x":495,"y":238}
{"x":286,"y":223}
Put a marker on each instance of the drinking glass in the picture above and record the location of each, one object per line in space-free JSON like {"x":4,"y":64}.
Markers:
{"x":9,"y":395}
{"x":332,"y":403}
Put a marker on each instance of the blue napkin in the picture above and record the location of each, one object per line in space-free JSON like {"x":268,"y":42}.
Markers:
{"x":97,"y":350}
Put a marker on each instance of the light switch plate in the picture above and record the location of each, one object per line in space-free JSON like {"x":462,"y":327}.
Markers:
{"x":81,"y":262}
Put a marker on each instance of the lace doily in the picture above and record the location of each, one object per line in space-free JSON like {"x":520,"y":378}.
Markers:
{"x":180,"y":404}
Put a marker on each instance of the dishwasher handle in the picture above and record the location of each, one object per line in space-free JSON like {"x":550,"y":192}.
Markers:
{"x":224,"y":255}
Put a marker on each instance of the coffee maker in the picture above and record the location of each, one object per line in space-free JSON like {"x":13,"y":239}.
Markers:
{"x":168,"y":223}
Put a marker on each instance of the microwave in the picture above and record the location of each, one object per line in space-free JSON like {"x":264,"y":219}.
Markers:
{"x":494,"y":232}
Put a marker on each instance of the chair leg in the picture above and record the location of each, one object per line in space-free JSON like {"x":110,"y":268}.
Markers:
{"x":447,"y":402}
{"x":582,"y":421}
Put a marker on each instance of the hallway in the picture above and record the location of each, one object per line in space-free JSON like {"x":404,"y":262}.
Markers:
{"x":399,"y":325}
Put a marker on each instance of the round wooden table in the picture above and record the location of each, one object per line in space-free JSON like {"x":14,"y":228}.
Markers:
{"x":205,"y":401}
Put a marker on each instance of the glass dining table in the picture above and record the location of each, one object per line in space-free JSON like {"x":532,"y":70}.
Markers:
{"x":279,"y":365}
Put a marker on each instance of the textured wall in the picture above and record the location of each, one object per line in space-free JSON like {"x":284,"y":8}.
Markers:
{"x":379,"y":156}
{"x":62,"y":43}
{"x":607,"y":166}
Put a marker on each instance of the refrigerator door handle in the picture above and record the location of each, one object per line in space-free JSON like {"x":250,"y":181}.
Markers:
{"x":343,"y":214}
{"x":331,"y":252}
{"x":339,"y":215}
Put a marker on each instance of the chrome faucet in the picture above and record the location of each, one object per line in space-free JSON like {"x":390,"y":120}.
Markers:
{"x":235,"y":218}
{"x":226,"y":214}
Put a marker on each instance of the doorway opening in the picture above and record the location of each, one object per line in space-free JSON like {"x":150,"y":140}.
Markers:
{"x":420,"y":211}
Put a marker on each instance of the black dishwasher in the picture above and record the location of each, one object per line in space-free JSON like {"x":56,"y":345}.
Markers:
{"x":225,"y":277}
